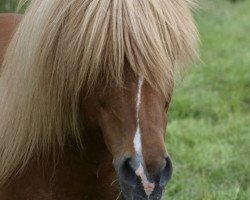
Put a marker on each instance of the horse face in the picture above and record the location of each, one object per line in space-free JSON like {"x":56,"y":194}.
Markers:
{"x":132,"y":120}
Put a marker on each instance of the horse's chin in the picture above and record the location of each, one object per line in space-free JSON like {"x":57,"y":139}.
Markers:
{"x":137,"y":193}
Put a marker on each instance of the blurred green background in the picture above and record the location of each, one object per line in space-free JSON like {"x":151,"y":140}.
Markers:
{"x":8,"y":5}
{"x":209,"y":119}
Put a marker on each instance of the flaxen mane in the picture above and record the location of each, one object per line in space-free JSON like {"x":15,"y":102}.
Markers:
{"x":62,"y":46}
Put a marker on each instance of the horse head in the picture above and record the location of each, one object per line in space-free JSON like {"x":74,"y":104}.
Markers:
{"x":100,"y":72}
{"x":132,"y":120}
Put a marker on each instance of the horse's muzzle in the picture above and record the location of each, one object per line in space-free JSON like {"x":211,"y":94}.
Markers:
{"x":148,"y":186}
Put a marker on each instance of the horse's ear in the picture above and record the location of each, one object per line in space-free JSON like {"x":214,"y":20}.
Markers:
{"x":8,"y":24}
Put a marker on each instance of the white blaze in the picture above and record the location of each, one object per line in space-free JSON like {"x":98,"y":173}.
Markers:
{"x":137,"y":138}
{"x":148,"y":187}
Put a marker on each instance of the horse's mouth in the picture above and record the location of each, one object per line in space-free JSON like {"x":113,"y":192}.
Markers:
{"x":143,"y":198}
{"x":139,"y":194}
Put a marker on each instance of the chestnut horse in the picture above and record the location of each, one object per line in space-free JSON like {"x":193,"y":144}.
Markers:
{"x":85,"y":86}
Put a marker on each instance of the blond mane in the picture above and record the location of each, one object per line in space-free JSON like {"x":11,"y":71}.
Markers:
{"x":62,"y":46}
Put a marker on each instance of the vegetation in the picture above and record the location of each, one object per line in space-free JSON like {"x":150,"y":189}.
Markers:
{"x":209,"y":120}
{"x":8,"y":5}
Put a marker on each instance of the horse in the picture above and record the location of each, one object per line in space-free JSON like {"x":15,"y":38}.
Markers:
{"x":85,"y":88}
{"x":8,"y":23}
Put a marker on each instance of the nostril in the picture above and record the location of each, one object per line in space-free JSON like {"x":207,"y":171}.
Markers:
{"x":127,"y":173}
{"x":166,"y":172}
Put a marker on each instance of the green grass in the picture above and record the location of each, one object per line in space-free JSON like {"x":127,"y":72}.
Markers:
{"x":209,"y":120}
{"x":8,"y":5}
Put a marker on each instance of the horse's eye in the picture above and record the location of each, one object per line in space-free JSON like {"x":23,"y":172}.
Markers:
{"x":101,"y":104}
{"x":166,"y":105}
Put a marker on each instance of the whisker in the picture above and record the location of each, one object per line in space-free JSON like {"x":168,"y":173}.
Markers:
{"x":118,"y":196}
{"x":111,"y":184}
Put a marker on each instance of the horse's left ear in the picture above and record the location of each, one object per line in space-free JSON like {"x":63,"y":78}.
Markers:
{"x":8,"y":24}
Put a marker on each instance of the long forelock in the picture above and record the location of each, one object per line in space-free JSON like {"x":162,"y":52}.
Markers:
{"x":63,"y":46}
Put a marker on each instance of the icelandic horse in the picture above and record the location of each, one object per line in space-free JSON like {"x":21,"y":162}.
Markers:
{"x":85,"y":86}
